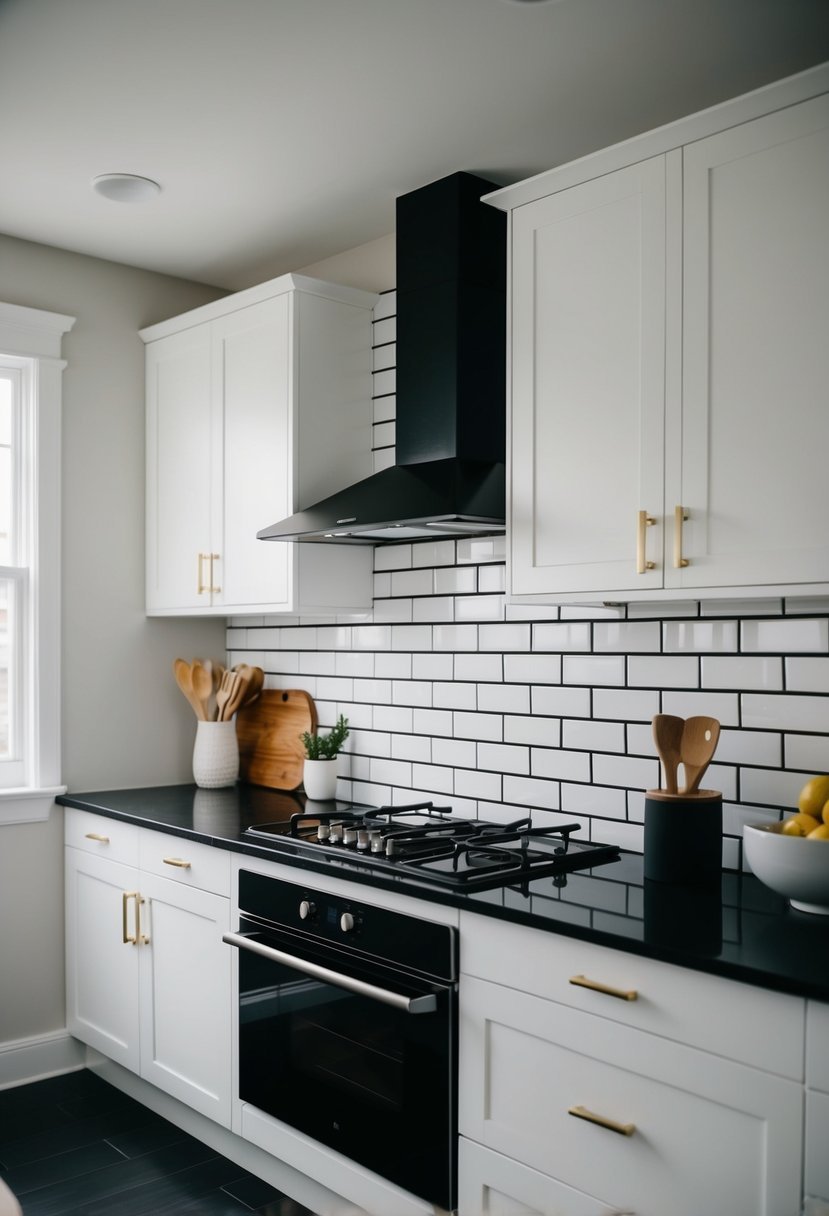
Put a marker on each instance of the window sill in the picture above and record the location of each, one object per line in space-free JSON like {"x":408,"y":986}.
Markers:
{"x":28,"y":805}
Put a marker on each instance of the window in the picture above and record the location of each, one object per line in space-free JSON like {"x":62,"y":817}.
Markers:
{"x":30,"y":452}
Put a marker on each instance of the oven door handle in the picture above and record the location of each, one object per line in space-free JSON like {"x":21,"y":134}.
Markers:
{"x":418,"y":1004}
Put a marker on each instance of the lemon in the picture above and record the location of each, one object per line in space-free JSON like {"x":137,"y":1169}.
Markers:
{"x":819,"y":833}
{"x":813,"y":796}
{"x":826,"y":811}
{"x":798,"y":825}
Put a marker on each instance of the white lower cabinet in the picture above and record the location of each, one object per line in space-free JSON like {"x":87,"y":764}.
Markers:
{"x":817,"y":1102}
{"x":148,"y":977}
{"x":574,"y":1113}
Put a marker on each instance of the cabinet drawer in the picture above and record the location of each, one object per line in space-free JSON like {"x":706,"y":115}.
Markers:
{"x":527,"y":1064}
{"x":490,"y":1184}
{"x":751,"y":1025}
{"x":185,"y":861}
{"x":102,"y":836}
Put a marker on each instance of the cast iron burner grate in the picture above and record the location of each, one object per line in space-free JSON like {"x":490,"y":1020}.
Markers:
{"x":426,"y":843}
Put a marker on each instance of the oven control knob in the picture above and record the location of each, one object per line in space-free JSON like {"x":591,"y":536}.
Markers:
{"x":347,"y":922}
{"x":307,"y":910}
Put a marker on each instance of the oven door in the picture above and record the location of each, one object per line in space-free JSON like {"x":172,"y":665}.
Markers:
{"x":359,"y":1056}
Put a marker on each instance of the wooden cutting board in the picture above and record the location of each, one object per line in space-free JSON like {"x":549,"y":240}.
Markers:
{"x":268,"y":730}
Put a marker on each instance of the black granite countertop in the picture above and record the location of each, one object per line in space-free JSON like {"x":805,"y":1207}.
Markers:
{"x":743,"y":930}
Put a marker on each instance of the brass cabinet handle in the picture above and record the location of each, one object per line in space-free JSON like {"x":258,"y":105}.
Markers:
{"x":176,"y":861}
{"x":214,"y":557}
{"x":129,"y":939}
{"x":680,"y":515}
{"x":142,"y":939}
{"x":621,"y":1129}
{"x":621,"y":994}
{"x":202,"y":587}
{"x":97,"y":836}
{"x":645,"y":521}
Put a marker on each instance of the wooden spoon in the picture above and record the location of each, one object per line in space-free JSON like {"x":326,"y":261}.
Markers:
{"x":667,"y":735}
{"x":202,"y":679}
{"x":240,"y":690}
{"x":184,"y":679}
{"x":700,"y":736}
{"x":227,"y":688}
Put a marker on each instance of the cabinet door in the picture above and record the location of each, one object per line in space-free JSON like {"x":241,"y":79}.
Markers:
{"x":588,"y":384}
{"x":180,"y":497}
{"x":685,"y":1132}
{"x":185,"y":995}
{"x":252,"y":353}
{"x":755,"y":429}
{"x":102,"y":955}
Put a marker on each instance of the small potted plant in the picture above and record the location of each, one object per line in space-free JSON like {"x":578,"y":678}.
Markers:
{"x":320,"y":770}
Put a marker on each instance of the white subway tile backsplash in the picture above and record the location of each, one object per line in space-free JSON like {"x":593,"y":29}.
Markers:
{"x":383,"y":435}
{"x":742,"y":672}
{"x":808,"y":752}
{"x":626,"y":637}
{"x":715,"y":637}
{"x":541,"y":732}
{"x":455,"y":580}
{"x":559,"y":763}
{"x":593,"y":669}
{"x":786,"y":635}
{"x":479,"y":608}
{"x":455,"y":695}
{"x":504,"y":758}
{"x":560,"y":636}
{"x":625,"y":705}
{"x":507,"y":709}
{"x":434,"y":609}
{"x":589,"y":736}
{"x":393,"y":665}
{"x":807,"y":675}
{"x":663,"y":671}
{"x":479,"y":667}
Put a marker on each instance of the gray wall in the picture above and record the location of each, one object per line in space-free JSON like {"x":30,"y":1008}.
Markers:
{"x":124,"y":721}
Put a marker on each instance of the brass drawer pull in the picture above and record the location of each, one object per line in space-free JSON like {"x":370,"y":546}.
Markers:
{"x":129,"y":939}
{"x":680,"y":515}
{"x":176,"y":861}
{"x":645,"y":521}
{"x":621,"y":1129}
{"x":97,"y":836}
{"x":621,"y":994}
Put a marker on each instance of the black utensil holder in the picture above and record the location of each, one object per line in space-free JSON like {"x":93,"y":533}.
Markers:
{"x":683,"y":837}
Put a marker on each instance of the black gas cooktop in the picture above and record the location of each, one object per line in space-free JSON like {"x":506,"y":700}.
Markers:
{"x":429,"y":844}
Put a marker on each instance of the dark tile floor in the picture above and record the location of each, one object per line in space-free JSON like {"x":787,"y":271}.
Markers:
{"x":75,"y":1146}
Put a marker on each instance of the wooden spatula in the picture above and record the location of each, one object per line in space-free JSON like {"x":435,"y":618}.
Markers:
{"x":700,"y":736}
{"x":667,"y":735}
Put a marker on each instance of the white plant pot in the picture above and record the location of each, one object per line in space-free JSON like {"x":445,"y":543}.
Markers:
{"x":320,"y":779}
{"x":215,"y":755}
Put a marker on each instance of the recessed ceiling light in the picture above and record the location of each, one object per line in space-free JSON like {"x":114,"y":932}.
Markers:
{"x":125,"y":187}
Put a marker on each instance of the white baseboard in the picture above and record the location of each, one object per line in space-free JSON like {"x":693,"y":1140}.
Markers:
{"x":42,"y":1055}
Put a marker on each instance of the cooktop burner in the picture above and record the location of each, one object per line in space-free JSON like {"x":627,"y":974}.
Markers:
{"x":426,"y":842}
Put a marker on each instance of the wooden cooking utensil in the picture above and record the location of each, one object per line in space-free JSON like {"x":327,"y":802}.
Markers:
{"x":240,"y":691}
{"x":700,"y":736}
{"x":667,"y":735}
{"x":184,"y":679}
{"x":227,"y":688}
{"x":202,"y":681}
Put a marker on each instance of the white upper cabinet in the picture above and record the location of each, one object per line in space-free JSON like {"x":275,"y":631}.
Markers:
{"x":670,"y":305}
{"x":257,"y":405}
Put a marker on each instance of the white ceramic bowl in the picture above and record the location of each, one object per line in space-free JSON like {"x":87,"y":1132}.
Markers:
{"x":793,"y":866}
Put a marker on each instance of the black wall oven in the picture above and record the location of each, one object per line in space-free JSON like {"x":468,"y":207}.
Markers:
{"x":348,"y":1029}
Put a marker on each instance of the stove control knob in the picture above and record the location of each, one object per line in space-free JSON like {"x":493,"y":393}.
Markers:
{"x":347,"y":922}
{"x":307,"y":910}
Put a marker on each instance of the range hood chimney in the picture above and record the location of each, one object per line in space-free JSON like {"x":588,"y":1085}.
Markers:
{"x":451,"y":370}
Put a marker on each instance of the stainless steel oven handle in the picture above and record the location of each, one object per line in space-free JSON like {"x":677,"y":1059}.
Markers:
{"x":417,"y":1004}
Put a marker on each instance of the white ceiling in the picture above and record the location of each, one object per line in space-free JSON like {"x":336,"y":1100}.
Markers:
{"x":282,"y":131}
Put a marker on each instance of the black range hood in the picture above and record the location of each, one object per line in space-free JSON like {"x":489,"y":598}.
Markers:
{"x":450,"y":426}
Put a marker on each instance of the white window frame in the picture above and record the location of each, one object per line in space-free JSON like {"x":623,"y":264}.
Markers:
{"x":30,"y":339}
